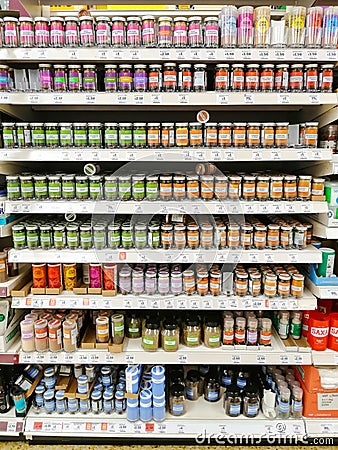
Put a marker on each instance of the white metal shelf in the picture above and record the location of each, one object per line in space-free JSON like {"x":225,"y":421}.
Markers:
{"x":40,"y":100}
{"x":321,"y":427}
{"x":134,"y":354}
{"x":322,"y":231}
{"x":308,"y":255}
{"x":10,"y":425}
{"x":174,"y":154}
{"x":325,"y":358}
{"x":69,"y":300}
{"x":323,"y":292}
{"x":68,"y":55}
{"x":196,"y":207}
{"x":200,"y":415}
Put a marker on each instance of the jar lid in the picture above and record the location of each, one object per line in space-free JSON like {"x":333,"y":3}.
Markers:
{"x":140,"y":66}
{"x":125,"y":124}
{"x":252,"y":66}
{"x":10,"y":19}
{"x":311,"y":124}
{"x":282,"y":66}
{"x":43,"y":19}
{"x":90,"y":18}
{"x":170,"y":324}
{"x":25,"y":19}
{"x":118,"y":18}
{"x":239,"y":124}
{"x":89,"y":66}
{"x":268,"y":124}
{"x":305,"y":177}
{"x":308,"y":66}
{"x":211,"y":124}
{"x":211,"y":322}
{"x":297,"y":66}
{"x":69,"y":19}
{"x":96,"y":395}
{"x":184,"y":66}
{"x":167,"y":124}
{"x":180,"y":19}
{"x":220,"y":66}
{"x":102,"y":19}
{"x":60,"y":66}
{"x":8,"y":124}
{"x":56,"y":19}
{"x":319,"y":180}
{"x":155,"y":66}
{"x":125,"y":66}
{"x":74,"y":66}
{"x":65,"y":124}
{"x":22,"y":124}
{"x":282,"y":124}
{"x":193,"y":375}
{"x":195,"y":18}
{"x":240,"y":66}
{"x":148,"y":17}
{"x":49,"y":394}
{"x":139,"y":124}
{"x":152,"y":324}
{"x":154,"y":124}
{"x":51,"y":124}
{"x":273,"y":226}
{"x":263,"y":178}
{"x":177,"y":390}
{"x":290,"y":178}
{"x":165,"y":19}
{"x":200,"y":66}
{"x":327,"y":66}
{"x":169,"y":64}
{"x":254,"y":124}
{"x":111,"y":124}
{"x":268,"y":66}
{"x":37,"y":124}
{"x":298,"y":276}
{"x":49,"y":372}
{"x":225,"y":124}
{"x":211,"y":18}
{"x":133,"y":19}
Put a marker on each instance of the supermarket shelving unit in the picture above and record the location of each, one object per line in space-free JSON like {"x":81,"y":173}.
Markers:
{"x":200,"y":415}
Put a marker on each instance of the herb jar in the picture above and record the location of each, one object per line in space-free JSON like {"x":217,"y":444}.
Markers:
{"x":66,"y":134}
{"x":41,"y":25}
{"x":74,"y":78}
{"x":38,"y":135}
{"x":193,"y":186}
{"x":125,"y":135}
{"x":13,"y":187}
{"x":150,"y":282}
{"x":154,"y":235}
{"x":150,"y":335}
{"x":267,"y":78}
{"x":304,"y":187}
{"x":57,"y":37}
{"x":89,"y":79}
{"x":134,"y":31}
{"x":228,"y":331}
{"x":176,"y":282}
{"x":8,"y":134}
{"x":19,"y":236}
{"x":212,"y":333}
{"x":52,"y":135}
{"x":296,"y":82}
{"x":72,"y":38}
{"x":299,"y":238}
{"x":103,"y":32}
{"x":148,"y":31}
{"x":200,"y":78}
{"x":252,"y":333}
{"x":127,"y":235}
{"x":180,"y":236}
{"x":125,"y":187}
{"x":140,"y":134}
{"x":140,"y":78}
{"x":224,"y":134}
{"x":255,"y":283}
{"x":180,"y":32}
{"x":23,"y":135}
{"x":167,"y":236}
{"x":133,"y":326}
{"x":110,"y":135}
{"x":169,"y":77}
{"x":110,"y":78}
{"x":32,"y":236}
{"x":241,"y":284}
{"x":60,"y":77}
{"x":87,"y":36}
{"x":118,"y":35}
{"x":86,"y":239}
{"x":311,"y":81}
{"x":270,"y":285}
{"x":164,"y":32}
{"x":249,"y":187}
{"x":153,"y":134}
{"x":222,"y":77}
{"x":81,"y":187}
{"x":125,"y":78}
{"x":166,"y":187}
{"x":117,"y":328}
{"x":138,"y":187}
{"x":27,"y":187}
{"x":286,"y":238}
{"x":140,"y":235}
{"x":202,"y":282}
{"x":80,"y":135}
{"x":114,"y":236}
{"x":99,"y":236}
{"x":125,"y":281}
{"x":170,"y":336}
{"x":11,"y":32}
{"x":192,"y":333}
{"x":152,"y":188}
{"x":210,"y":135}
{"x":26,"y":32}
{"x":59,"y":236}
{"x":290,"y":187}
{"x":207,"y":187}
{"x":326,"y":78}
{"x":193,"y":235}
{"x":40,"y":187}
{"x":211,"y":32}
{"x":253,"y":135}
{"x":185,"y":80}
{"x":177,"y":400}
{"x":67,"y":187}
{"x":268,"y":134}
{"x":73,"y":240}
{"x":195,"y":36}
{"x":189,"y":282}
{"x":179,"y":187}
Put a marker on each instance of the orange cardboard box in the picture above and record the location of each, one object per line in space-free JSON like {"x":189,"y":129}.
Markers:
{"x":319,"y":404}
{"x":309,"y":375}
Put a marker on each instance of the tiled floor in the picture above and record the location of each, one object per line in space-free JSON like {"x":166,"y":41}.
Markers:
{"x":25,"y":446}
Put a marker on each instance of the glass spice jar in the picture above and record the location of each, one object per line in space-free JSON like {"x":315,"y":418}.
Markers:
{"x":222,"y":77}
{"x":110,"y":135}
{"x":262,"y":187}
{"x":233,"y":236}
{"x":125,"y":135}
{"x":326,"y":78}
{"x":296,"y":82}
{"x":60,"y":77}
{"x":45,"y":76}
{"x":249,"y":187}
{"x":57,"y":36}
{"x":133,"y":30}
{"x":72,"y":37}
{"x":192,"y":332}
{"x":140,"y":78}
{"x":125,"y":78}
{"x":195,"y":134}
{"x":26,"y":32}
{"x":200,"y":78}
{"x":150,"y":336}
{"x":195,"y":36}
{"x":148,"y":31}
{"x":241,"y":284}
{"x":89,"y":78}
{"x":311,"y":79}
{"x":253,"y":135}
{"x":180,"y":34}
{"x":74,"y":78}
{"x":185,"y":79}
{"x":164,"y":32}
{"x":11,"y":32}
{"x":224,"y":134}
{"x":239,"y":134}
{"x":110,"y":78}
{"x":273,"y":236}
{"x":118,"y":35}
{"x":267,"y":78}
{"x":212,"y":333}
{"x":166,"y":187}
{"x":246,"y":236}
{"x":304,"y":187}
{"x":177,"y":400}
{"x":270,"y":285}
{"x":210,"y":135}
{"x":311,"y":134}
{"x":284,"y":284}
{"x":4,"y":78}
{"x":206,"y":235}
{"x":153,"y":135}
{"x":232,"y":401}
{"x":317,"y":187}
{"x":87,"y":36}
{"x":155,"y":77}
{"x":240,"y":325}
{"x":268,"y":134}
{"x":189,"y":283}
{"x":179,"y":188}
{"x":41,"y":25}
{"x":211,"y":32}
{"x":252,"y":77}
{"x":103,"y":31}
{"x":290,"y":187}
{"x":167,"y":235}
{"x":169,"y":77}
{"x":282,"y":77}
{"x":170,"y":336}
{"x":282,"y":134}
{"x":237,"y":77}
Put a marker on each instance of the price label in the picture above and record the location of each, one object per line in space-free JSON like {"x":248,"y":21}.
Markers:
{"x":333,"y":294}
{"x":155,"y":303}
{"x":122,"y":428}
{"x":165,"y":54}
{"x":118,"y":54}
{"x":79,"y":156}
{"x":182,"y":304}
{"x":236,"y":359}
{"x":65,"y":156}
{"x":222,"y":99}
{"x":26,"y":53}
{"x":69,"y":358}
{"x":181,"y":54}
{"x":298,"y":54}
{"x":229,"y":55}
{"x":200,"y":155}
{"x":276,"y":155}
{"x":222,"y":304}
{"x":57,"y":99}
{"x":233,"y":303}
{"x":277,"y":208}
{"x":73,"y":54}
{"x":268,"y":258}
{"x":33,"y":99}
{"x":159,"y":156}
{"x":114,"y":156}
{"x":207,"y":303}
{"x":234,"y":209}
{"x":53,"y":358}
{"x":274,"y":304}
{"x":335,"y":359}
{"x":249,"y":98}
{"x":314,"y":99}
{"x":183,"y":99}
{"x":253,"y":257}
{"x":280,"y":54}
{"x":135,"y":54}
{"x":127,"y":303}
{"x":83,"y":358}
{"x":284,"y":99}
{"x":246,"y":54}
{"x":194,"y":304}
{"x":130,"y":359}
{"x":161,"y":428}
{"x":109,"y":358}
{"x":40,"y":358}
{"x":216,"y":155}
{"x":141,"y":303}
{"x":121,"y":99}
{"x":257,"y":155}
{"x":249,"y":209}
{"x":332,"y":55}
{"x":298,"y":358}
{"x":94,"y":359}
{"x":90,"y":99}
{"x":327,"y":428}
{"x":156,"y":98}
{"x":290,"y":208}
{"x":302,"y":154}
{"x":138,"y":99}
{"x":261,"y":359}
{"x":293,"y":257}
{"x":103,"y":53}
{"x":182,"y":359}
{"x":26,"y":358}
{"x":306,"y":208}
{"x":293,"y":304}
{"x":211,"y":54}
{"x":284,"y":305}
{"x":131,"y":156}
{"x":137,"y":428}
{"x":195,"y":54}
{"x":12,"y":427}
{"x":263,"y":54}
{"x":42,"y":53}
{"x":187,"y":155}
{"x":220,"y":209}
{"x":317,"y":154}
{"x":312,"y":55}
{"x":229,"y":155}
{"x":284,"y":359}
{"x":169,"y":303}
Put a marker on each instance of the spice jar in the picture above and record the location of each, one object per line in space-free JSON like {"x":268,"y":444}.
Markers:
{"x":282,"y":77}
{"x":134,"y":31}
{"x":148,"y":31}
{"x":153,"y":135}
{"x":117,"y":328}
{"x":166,"y":187}
{"x":326,"y":78}
{"x":273,"y":236}
{"x":45,"y":77}
{"x":211,"y":32}
{"x":169,"y":77}
{"x":150,"y":336}
{"x":167,"y":235}
{"x":191,"y":332}
{"x":246,"y":236}
{"x":249,"y":187}
{"x":268,"y":134}
{"x":11,"y":32}
{"x":179,"y":189}
{"x":211,"y":135}
{"x":265,"y":332}
{"x":74,"y":78}
{"x":125,"y":78}
{"x":202,"y":282}
{"x":252,"y":333}
{"x":4,"y":78}
{"x":228,"y":331}
{"x":23,"y":134}
{"x":267,"y":79}
{"x":164,"y":31}
{"x":110,"y":135}
{"x":26,"y":32}
{"x":211,"y":388}
{"x":139,"y":135}
{"x":170,"y":336}
{"x":240,"y":331}
{"x":200,"y":77}
{"x":232,"y":401}
{"x":125,"y":135}
{"x":87,"y":38}
{"x":290,"y":187}
{"x":41,"y":31}
{"x":250,"y":402}
{"x":195,"y":134}
{"x":195,"y":37}
{"x":297,"y":285}
{"x":57,"y":37}
{"x":41,"y":335}
{"x":253,"y":135}
{"x":318,"y":187}
{"x":286,"y":238}
{"x":262,"y":187}
{"x":177,"y":400}
{"x":255,"y":282}
{"x":233,"y":236}
{"x":304,"y":187}
{"x":140,"y":78}
{"x":133,"y":326}
{"x":239,"y":134}
{"x":241,"y":284}
{"x":118,"y":32}
{"x":212,"y":333}
{"x":168,"y":135}
{"x":180,"y":32}
{"x":296,"y":82}
{"x":71,"y":31}
{"x":237,"y":77}
{"x":276,"y":187}
{"x":311,"y":80}
{"x":185,"y":81}
{"x":140,"y":232}
{"x":207,"y":187}
{"x":89,"y":78}
{"x":193,"y":187}
{"x":270,"y":285}
{"x":110,"y":78}
{"x":127,"y":235}
{"x":102,"y":329}
{"x":189,"y":283}
{"x":252,"y":77}
{"x":311,"y":134}
{"x":207,"y":234}
{"x":60,"y":77}
{"x":222,"y":77}
{"x":224,"y":134}
{"x":282,"y":134}
{"x":103,"y":37}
